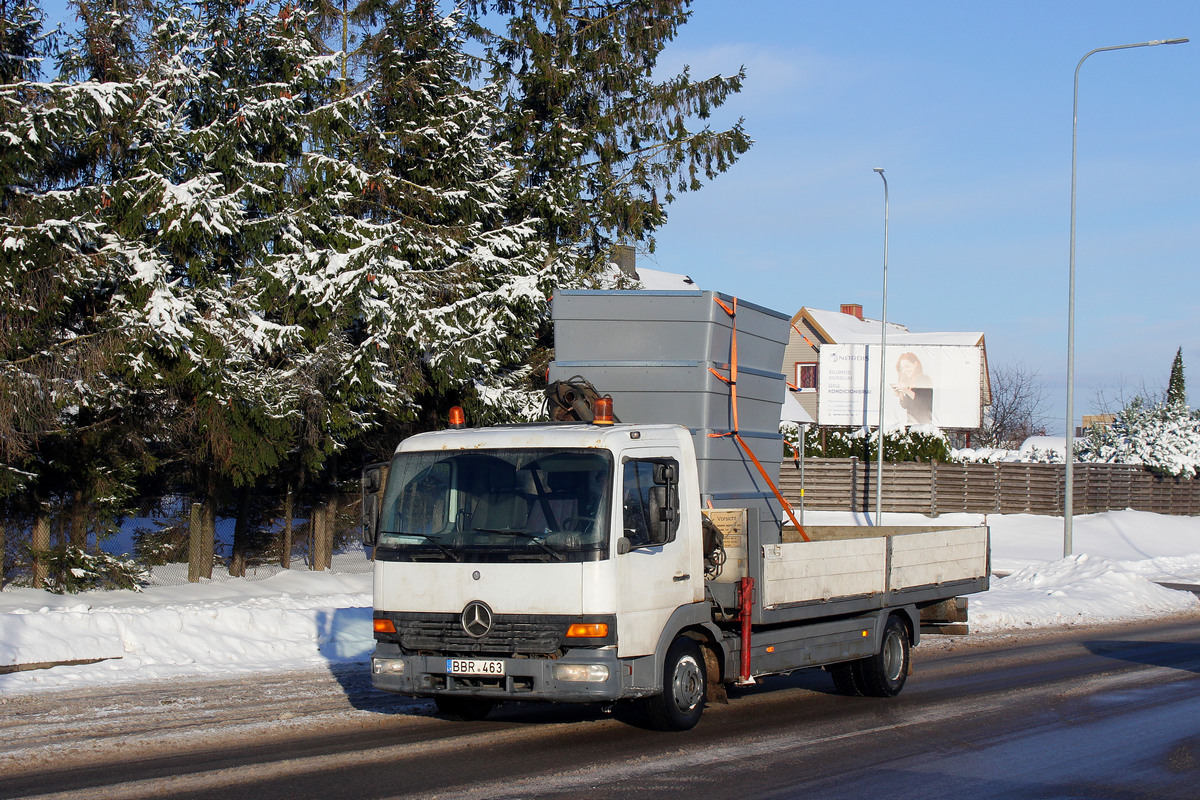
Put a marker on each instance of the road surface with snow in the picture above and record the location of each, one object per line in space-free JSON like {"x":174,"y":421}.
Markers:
{"x":1077,"y":712}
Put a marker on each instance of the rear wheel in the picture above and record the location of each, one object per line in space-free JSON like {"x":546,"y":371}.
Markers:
{"x":883,"y":674}
{"x":845,"y":679}
{"x":463,"y":709}
{"x":685,"y":684}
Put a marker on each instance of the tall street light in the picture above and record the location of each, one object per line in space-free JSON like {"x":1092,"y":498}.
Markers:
{"x":1069,"y":489}
{"x":882,"y":364}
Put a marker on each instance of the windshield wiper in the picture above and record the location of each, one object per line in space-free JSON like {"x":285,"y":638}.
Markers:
{"x":533,"y":537}
{"x":450,"y":553}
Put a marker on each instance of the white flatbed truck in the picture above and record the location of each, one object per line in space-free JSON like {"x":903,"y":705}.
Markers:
{"x":607,"y":561}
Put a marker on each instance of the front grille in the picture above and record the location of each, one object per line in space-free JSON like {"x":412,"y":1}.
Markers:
{"x":510,"y":635}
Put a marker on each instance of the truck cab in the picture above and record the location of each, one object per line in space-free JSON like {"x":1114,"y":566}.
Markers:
{"x":537,"y":562}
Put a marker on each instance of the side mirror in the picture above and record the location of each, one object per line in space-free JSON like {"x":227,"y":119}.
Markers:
{"x":370,"y":519}
{"x":372,"y":478}
{"x":372,"y":482}
{"x":624,"y":545}
{"x":664,"y":513}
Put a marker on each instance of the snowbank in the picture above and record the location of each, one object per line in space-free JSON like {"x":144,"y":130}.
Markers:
{"x":291,"y":620}
{"x":1079,"y":590}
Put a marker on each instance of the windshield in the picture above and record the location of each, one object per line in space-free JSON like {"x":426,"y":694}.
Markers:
{"x":496,"y":505}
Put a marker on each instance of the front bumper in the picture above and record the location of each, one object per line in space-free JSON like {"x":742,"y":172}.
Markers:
{"x":524,"y":678}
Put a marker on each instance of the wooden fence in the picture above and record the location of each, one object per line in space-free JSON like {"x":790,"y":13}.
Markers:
{"x":848,"y":484}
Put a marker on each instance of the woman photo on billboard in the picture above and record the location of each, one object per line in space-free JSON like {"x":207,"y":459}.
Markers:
{"x":914,"y":389}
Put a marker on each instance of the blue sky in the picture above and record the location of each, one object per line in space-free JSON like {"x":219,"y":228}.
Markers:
{"x":967,"y":106}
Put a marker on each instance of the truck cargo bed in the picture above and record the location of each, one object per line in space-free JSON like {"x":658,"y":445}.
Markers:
{"x":852,"y":569}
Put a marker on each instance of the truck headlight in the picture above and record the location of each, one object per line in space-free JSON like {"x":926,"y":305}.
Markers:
{"x":387,"y":666}
{"x":583,"y":673}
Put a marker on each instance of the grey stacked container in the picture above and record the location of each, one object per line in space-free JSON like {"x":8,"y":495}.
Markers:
{"x":659,"y":355}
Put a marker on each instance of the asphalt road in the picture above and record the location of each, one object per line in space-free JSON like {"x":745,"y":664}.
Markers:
{"x":1097,"y":713}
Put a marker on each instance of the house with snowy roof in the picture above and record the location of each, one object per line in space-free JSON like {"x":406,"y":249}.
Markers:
{"x":835,"y":361}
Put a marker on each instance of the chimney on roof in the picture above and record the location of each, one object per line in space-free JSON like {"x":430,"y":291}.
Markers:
{"x":853,"y":309}
{"x":625,"y":257}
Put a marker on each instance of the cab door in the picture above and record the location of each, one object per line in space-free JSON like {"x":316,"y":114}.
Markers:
{"x":656,"y":575}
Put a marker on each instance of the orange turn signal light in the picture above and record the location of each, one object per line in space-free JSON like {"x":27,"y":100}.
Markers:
{"x":384,"y":626}
{"x":457,"y":418}
{"x":588,"y":630}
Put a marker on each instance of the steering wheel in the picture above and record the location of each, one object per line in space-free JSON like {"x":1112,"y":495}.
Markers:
{"x":579,"y":524}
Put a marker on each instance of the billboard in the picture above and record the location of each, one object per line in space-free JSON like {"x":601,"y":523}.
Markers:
{"x":923,"y":385}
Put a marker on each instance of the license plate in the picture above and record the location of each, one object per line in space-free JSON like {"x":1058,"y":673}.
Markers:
{"x":474,"y":666}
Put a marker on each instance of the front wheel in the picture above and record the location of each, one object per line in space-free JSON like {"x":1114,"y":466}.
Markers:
{"x":685,"y":684}
{"x":883,"y":674}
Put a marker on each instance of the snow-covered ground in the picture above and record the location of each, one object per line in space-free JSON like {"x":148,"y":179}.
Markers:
{"x":314,"y":619}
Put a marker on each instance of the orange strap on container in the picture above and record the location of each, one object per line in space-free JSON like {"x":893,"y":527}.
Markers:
{"x":720,"y":377}
{"x":733,"y":358}
{"x":787,"y":507}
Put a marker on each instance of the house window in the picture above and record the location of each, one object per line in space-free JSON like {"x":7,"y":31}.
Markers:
{"x":806,"y":376}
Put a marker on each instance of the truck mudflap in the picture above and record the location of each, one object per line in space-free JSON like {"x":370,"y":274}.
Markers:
{"x":583,"y":675}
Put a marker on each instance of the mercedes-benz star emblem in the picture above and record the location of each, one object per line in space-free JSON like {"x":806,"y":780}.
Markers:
{"x":477,"y":619}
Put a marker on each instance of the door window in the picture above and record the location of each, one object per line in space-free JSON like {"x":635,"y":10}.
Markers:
{"x":650,"y":498}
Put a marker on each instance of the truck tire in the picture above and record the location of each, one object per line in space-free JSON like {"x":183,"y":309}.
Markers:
{"x":463,"y":709}
{"x":845,"y":679}
{"x":883,"y":674}
{"x":685,"y":685}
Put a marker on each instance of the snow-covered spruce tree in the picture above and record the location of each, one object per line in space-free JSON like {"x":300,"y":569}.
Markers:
{"x":1165,"y":438}
{"x":604,"y":146}
{"x":21,"y":48}
{"x":58,"y":340}
{"x":1176,"y":388}
{"x":241,"y":360}
{"x":421,"y":272}
{"x":22,"y":44}
{"x":68,"y":434}
{"x":157,"y":192}
{"x":26,"y":412}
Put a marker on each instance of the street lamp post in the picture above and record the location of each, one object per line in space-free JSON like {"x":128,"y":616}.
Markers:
{"x":1069,"y":478}
{"x":882,"y":363}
